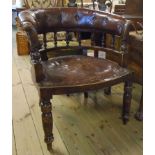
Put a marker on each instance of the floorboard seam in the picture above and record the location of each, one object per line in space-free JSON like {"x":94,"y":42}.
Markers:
{"x":14,"y":138}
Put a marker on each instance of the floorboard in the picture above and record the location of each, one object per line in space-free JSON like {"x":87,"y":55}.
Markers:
{"x":14,"y":151}
{"x":25,"y":134}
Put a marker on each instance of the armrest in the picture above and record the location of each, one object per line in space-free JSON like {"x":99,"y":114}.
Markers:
{"x":33,"y":40}
{"x":125,"y":35}
{"x":29,"y":26}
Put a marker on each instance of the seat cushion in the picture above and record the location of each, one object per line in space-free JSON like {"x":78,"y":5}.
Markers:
{"x":80,"y":70}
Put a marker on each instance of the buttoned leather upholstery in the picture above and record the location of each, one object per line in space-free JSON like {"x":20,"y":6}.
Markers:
{"x":46,"y":19}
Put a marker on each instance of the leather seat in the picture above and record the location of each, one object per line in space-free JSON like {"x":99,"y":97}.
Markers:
{"x":72,"y":71}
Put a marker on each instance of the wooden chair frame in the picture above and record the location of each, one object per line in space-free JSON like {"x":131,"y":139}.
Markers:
{"x":34,"y":22}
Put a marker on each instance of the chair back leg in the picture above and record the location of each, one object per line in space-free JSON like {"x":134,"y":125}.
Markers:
{"x":127,"y":100}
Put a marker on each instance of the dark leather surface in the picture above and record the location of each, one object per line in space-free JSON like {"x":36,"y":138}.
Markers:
{"x":80,"y":70}
{"x":47,"y":19}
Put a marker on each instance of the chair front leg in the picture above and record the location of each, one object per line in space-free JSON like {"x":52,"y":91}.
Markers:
{"x":127,"y":100}
{"x":47,"y":119}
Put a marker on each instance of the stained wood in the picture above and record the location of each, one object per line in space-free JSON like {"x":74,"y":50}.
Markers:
{"x":77,"y":72}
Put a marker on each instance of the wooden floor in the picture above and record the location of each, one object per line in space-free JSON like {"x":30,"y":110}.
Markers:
{"x":80,"y":128}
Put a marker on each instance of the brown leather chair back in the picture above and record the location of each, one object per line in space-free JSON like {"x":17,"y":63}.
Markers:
{"x":55,"y":19}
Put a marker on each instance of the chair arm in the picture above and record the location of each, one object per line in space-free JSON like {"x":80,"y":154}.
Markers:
{"x":33,"y":41}
{"x":125,"y":35}
{"x":34,"y":50}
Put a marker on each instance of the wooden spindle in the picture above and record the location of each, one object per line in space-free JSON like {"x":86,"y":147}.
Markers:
{"x":113,"y":42}
{"x":67,"y":38}
{"x":45,"y":41}
{"x":92,"y":39}
{"x":55,"y":39}
{"x":103,"y":39}
{"x":94,"y":43}
{"x":79,"y":38}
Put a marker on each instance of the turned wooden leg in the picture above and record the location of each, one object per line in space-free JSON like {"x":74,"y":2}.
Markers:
{"x":139,"y":114}
{"x":47,"y":119}
{"x":127,"y":101}
{"x":107,"y":90}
